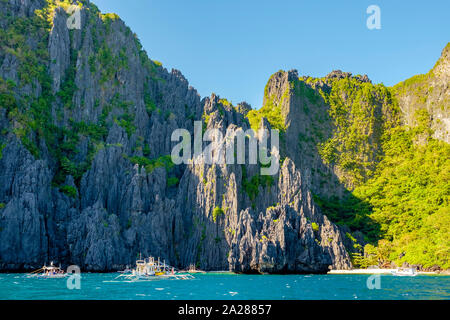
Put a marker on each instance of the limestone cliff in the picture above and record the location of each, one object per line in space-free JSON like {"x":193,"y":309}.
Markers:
{"x":86,"y":119}
{"x":344,"y":133}
{"x":86,"y":176}
{"x":428,"y":95}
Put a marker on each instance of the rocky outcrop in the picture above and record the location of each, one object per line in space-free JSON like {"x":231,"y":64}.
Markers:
{"x":320,"y":112}
{"x":23,"y":236}
{"x":90,"y":186}
{"x":59,"y":48}
{"x":338,"y":74}
{"x":428,"y":93}
{"x":263,"y":241}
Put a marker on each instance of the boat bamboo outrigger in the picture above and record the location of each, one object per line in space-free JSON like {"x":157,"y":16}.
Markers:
{"x":49,"y":272}
{"x":405,"y":272}
{"x":151,"y":269}
{"x":193,"y":269}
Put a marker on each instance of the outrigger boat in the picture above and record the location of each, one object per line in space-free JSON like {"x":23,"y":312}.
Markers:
{"x":151,"y":269}
{"x":49,"y":272}
{"x":127,"y":270}
{"x":193,"y":269}
{"x":405,"y":272}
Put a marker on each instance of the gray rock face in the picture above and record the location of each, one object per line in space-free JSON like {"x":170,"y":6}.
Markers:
{"x":431,"y":93}
{"x":264,"y":241}
{"x":59,"y":48}
{"x":308,"y":124}
{"x":24,"y":190}
{"x":121,"y":208}
{"x":301,"y":121}
{"x":338,"y":74}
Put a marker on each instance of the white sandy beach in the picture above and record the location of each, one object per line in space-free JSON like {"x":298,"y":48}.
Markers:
{"x":371,"y":271}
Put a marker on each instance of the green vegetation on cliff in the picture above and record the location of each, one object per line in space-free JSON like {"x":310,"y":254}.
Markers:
{"x":251,"y":186}
{"x":271,"y":110}
{"x":152,"y":164}
{"x":359,"y":114}
{"x":33,"y":115}
{"x":217,"y":212}
{"x":409,"y":197}
{"x":400,"y":188}
{"x":396,"y":176}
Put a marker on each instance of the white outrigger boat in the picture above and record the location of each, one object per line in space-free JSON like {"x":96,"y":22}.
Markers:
{"x":151,"y":269}
{"x":405,"y":272}
{"x":49,"y":272}
{"x":193,"y":269}
{"x":127,"y":270}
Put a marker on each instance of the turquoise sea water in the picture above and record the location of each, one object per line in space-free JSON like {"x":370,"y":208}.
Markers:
{"x":228,"y":286}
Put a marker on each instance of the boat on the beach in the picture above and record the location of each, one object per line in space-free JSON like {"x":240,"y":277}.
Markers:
{"x":405,"y":272}
{"x":126,"y":270}
{"x":193,"y":269}
{"x":49,"y":272}
{"x":150,"y":269}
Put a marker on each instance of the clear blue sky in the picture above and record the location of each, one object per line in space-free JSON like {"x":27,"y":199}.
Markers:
{"x":231,"y":47}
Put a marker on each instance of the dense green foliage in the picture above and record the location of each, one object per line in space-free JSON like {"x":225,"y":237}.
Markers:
{"x":315,"y":226}
{"x":404,"y":208}
{"x":2,"y":146}
{"x":69,"y":191}
{"x":401,"y":196}
{"x":360,"y":113}
{"x":251,"y":186}
{"x":152,"y":164}
{"x":32,"y":115}
{"x":7,"y":98}
{"x":398,"y":178}
{"x":172,"y":181}
{"x":217,"y":212}
{"x":410,"y":199}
